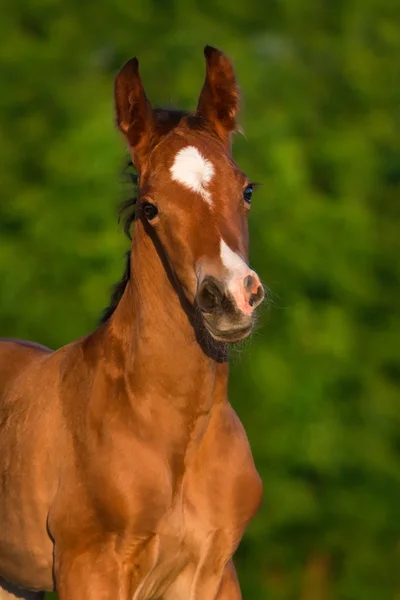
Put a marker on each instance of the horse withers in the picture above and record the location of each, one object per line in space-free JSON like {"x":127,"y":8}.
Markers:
{"x":124,"y":471}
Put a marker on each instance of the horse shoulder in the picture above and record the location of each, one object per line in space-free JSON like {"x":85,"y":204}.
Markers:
{"x":224,"y":490}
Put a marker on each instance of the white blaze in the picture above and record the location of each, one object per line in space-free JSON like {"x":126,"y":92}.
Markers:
{"x":193,"y":171}
{"x":232,"y":262}
{"x":238,"y":270}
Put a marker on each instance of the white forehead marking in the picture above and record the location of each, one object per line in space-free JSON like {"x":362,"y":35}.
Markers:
{"x":193,"y":170}
{"x":231,"y":260}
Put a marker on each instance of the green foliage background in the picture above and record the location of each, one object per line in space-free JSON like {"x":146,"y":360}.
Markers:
{"x":318,"y":386}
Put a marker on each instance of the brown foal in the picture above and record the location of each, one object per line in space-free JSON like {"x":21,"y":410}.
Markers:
{"x":124,"y":471}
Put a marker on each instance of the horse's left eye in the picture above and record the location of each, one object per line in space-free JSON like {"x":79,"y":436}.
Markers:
{"x":247,"y":194}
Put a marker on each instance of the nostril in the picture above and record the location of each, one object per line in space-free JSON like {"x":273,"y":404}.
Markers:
{"x":209,"y":295}
{"x":249,"y":283}
{"x":254,"y":290}
{"x":207,"y":299}
{"x":257,"y":298}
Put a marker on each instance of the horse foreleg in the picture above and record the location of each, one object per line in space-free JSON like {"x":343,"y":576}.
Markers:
{"x":229,"y":588}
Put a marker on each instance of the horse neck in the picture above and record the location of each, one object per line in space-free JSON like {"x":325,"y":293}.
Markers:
{"x":163,"y":347}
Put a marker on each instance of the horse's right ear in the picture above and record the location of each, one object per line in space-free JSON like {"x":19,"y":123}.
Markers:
{"x":134,"y":111}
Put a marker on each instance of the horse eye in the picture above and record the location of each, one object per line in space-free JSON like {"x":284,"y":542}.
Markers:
{"x":247,"y":194}
{"x":150,"y":210}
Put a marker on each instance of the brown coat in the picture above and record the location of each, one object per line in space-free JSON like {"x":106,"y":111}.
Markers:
{"x":124,"y":471}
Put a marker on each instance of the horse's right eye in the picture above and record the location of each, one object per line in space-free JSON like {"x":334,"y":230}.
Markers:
{"x":150,"y":210}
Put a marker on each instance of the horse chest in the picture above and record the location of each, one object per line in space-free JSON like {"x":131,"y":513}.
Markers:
{"x":190,"y":524}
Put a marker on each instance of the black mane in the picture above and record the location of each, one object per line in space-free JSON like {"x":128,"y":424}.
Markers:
{"x":126,"y":215}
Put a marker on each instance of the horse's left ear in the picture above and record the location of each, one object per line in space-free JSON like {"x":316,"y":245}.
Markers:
{"x":219,"y":98}
{"x":135,"y":117}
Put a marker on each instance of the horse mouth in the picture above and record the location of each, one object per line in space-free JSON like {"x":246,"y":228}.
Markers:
{"x":229,"y":336}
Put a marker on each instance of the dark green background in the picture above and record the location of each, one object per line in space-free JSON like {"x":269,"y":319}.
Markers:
{"x":318,"y":386}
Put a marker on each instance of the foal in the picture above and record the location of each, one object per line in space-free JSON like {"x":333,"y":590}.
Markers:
{"x":124,"y":471}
